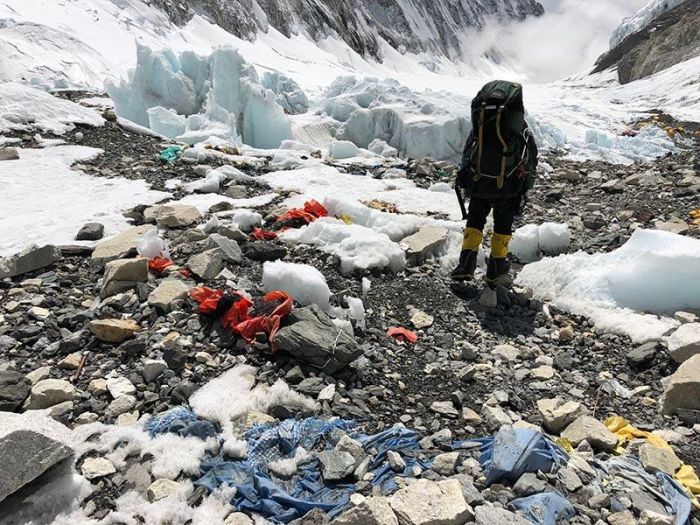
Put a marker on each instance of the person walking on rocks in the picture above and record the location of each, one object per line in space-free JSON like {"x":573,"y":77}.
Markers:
{"x":499,"y":166}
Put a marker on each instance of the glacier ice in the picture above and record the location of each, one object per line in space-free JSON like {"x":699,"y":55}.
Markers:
{"x":631,"y":291}
{"x":287,"y":92}
{"x":642,"y":18}
{"x":343,"y":149}
{"x":190,"y":98}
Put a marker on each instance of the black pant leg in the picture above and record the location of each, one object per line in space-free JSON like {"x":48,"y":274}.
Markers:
{"x":504,"y":215}
{"x":478,"y":210}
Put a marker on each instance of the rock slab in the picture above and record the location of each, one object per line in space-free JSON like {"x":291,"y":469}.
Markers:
{"x":426,"y":502}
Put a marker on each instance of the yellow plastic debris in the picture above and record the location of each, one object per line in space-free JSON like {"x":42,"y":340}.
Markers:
{"x":565,"y":444}
{"x":687,"y":477}
{"x":345,"y":218}
{"x":695,"y":215}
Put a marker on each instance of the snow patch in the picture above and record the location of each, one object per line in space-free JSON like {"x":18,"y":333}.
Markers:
{"x":631,"y":291}
{"x":531,"y":241}
{"x":303,"y":282}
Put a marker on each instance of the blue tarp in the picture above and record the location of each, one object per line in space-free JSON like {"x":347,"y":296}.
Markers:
{"x":183,"y":422}
{"x":286,"y":500}
{"x":513,"y":452}
{"x":548,"y":508}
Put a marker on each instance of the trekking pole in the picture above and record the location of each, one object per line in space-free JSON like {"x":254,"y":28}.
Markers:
{"x":460,"y":199}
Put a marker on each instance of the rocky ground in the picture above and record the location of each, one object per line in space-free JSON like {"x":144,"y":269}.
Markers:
{"x":98,"y":341}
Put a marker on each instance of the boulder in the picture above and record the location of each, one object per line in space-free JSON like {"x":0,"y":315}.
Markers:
{"x":114,"y":330}
{"x":231,"y":251}
{"x":94,"y":468}
{"x":173,"y":215}
{"x":336,"y":464}
{"x":656,"y":459}
{"x":166,"y":293}
{"x":642,"y":355}
{"x":313,"y":338}
{"x":372,"y":511}
{"x":14,"y":389}
{"x":684,"y":342}
{"x":683,"y":389}
{"x":119,"y":246}
{"x":50,"y":392}
{"x":208,"y":264}
{"x":24,"y":456}
{"x":162,"y":488}
{"x":427,"y":242}
{"x":28,"y":260}
{"x":153,"y":368}
{"x":444,"y":464}
{"x":123,"y":274}
{"x":91,"y":231}
{"x":425,"y":502}
{"x":496,"y":516}
{"x":587,"y":428}
{"x":557,"y":413}
{"x":8,"y":154}
{"x":263,"y":252}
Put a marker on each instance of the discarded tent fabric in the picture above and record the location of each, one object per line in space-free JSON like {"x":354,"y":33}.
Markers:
{"x":262,"y":235}
{"x":171,"y":153}
{"x":298,"y":217}
{"x":159,"y":264}
{"x":623,"y":474}
{"x":548,"y":508}
{"x":233,"y":311}
{"x":283,"y":500}
{"x":183,"y":422}
{"x":514,"y":451}
{"x":402,"y":334}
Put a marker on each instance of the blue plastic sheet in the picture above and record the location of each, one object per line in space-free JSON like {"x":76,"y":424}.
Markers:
{"x":548,"y":508}
{"x":285,"y":500}
{"x":183,"y":422}
{"x":513,"y":452}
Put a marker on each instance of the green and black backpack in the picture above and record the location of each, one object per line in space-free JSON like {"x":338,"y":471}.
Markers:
{"x":500,"y":157}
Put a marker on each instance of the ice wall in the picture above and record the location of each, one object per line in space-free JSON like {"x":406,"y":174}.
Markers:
{"x":190,"y":98}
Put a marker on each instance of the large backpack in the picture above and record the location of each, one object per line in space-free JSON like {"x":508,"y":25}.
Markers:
{"x":500,"y":157}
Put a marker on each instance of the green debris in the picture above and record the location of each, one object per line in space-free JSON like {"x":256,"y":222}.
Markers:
{"x":171,"y":153}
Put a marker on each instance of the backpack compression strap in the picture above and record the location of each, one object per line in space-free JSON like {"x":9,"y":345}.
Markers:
{"x":502,"y":175}
{"x":480,"y":140}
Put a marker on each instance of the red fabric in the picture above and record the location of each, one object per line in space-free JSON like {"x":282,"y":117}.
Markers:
{"x":268,"y":324}
{"x":285,"y":300}
{"x":402,"y":334}
{"x":207,"y":298}
{"x":185,"y":273}
{"x":159,"y":264}
{"x":311,"y":211}
{"x":236,"y":314}
{"x":263,"y":235}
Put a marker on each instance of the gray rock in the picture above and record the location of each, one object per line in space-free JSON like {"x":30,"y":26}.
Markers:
{"x":427,"y":242}
{"x":114,"y":330}
{"x":557,"y":413}
{"x":166,"y":293}
{"x":444,"y":464}
{"x":683,"y":389}
{"x":425,"y":502}
{"x":262,"y":252}
{"x":396,"y":462}
{"x":684,"y":342}
{"x":91,"y":231}
{"x":353,"y":447}
{"x":444,"y":408}
{"x":238,"y":518}
{"x":313,"y":517}
{"x":50,"y":392}
{"x":138,"y":478}
{"x":529,"y":484}
{"x":336,"y":465}
{"x":496,"y":516}
{"x":153,"y":368}
{"x":613,"y":186}
{"x":120,"y":406}
{"x":94,"y":468}
{"x":587,"y":428}
{"x":232,"y":233}
{"x":119,"y":246}
{"x":8,"y":154}
{"x":657,"y":459}
{"x":28,"y":260}
{"x":123,"y":274}
{"x":372,"y":511}
{"x":24,"y":456}
{"x":569,"y":479}
{"x":314,"y":339}
{"x":642,"y":355}
{"x":230,"y":249}
{"x":173,"y":215}
{"x":208,"y":264}
{"x":14,"y":389}
{"x":495,"y":417}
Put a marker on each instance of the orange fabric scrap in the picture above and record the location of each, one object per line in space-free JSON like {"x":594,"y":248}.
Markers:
{"x":402,"y":334}
{"x":311,"y":211}
{"x":263,"y":235}
{"x":207,"y":298}
{"x":159,"y":264}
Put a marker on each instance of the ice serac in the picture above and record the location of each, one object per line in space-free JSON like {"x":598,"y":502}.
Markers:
{"x":407,"y":25}
{"x":191,"y":98}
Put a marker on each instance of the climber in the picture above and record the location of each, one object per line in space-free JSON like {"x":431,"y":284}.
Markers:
{"x":499,"y":166}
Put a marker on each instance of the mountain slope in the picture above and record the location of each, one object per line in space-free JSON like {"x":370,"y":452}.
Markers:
{"x":410,"y":25}
{"x":669,"y":39}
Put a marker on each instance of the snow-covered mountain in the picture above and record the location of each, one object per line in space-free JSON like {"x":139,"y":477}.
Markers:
{"x":407,"y":25}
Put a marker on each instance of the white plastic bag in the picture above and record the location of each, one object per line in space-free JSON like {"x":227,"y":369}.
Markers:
{"x":150,"y":246}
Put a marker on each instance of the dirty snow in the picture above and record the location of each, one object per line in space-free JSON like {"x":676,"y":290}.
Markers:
{"x":633,"y":290}
{"x":45,"y":201}
{"x":303,"y":282}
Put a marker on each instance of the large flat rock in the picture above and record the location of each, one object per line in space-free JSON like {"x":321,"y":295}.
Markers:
{"x":119,"y":246}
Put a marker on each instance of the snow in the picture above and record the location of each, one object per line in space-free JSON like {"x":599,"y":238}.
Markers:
{"x":246,"y":220}
{"x":529,"y":242}
{"x":319,"y":181}
{"x":24,"y":107}
{"x":204,"y":201}
{"x":641,"y":19}
{"x":357,"y":311}
{"x":631,"y":291}
{"x":303,"y":282}
{"x":343,"y":149}
{"x":219,"y":95}
{"x":287,"y":92}
{"x":150,"y":245}
{"x":209,"y":184}
{"x":38,"y":208}
{"x":357,"y":247}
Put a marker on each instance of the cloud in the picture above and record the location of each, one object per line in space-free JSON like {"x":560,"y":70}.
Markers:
{"x":567,"y":39}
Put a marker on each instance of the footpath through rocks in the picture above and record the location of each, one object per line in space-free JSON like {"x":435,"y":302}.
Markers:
{"x":225,"y":358}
